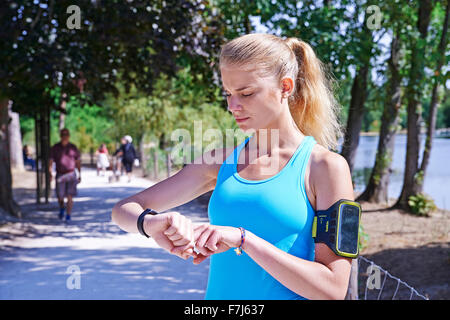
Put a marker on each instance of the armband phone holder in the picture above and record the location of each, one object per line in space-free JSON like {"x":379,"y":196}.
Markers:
{"x":338,"y":227}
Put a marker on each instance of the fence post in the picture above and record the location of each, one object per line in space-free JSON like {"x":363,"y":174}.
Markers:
{"x":352,"y":291}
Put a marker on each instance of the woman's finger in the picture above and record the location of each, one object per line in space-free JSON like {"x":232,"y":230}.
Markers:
{"x":174,"y":222}
{"x":175,"y":237}
{"x":214,"y":238}
{"x":183,"y":251}
{"x":181,"y":242}
{"x":198,"y":230}
{"x":200,"y":242}
{"x":199,"y":259}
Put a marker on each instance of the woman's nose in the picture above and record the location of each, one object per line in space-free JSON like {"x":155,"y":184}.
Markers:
{"x":234,"y":104}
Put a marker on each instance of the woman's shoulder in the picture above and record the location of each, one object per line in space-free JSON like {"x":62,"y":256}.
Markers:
{"x":323,"y":158}
{"x":327,"y":165}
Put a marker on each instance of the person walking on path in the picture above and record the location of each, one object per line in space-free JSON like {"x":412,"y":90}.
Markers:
{"x":267,"y":189}
{"x":102,"y":159}
{"x":128,"y":155}
{"x":27,"y":159}
{"x":67,"y":158}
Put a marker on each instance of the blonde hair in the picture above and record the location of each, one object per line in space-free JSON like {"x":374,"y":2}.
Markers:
{"x":312,"y":105}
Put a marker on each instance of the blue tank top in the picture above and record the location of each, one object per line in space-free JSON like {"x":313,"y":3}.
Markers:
{"x":275,"y":209}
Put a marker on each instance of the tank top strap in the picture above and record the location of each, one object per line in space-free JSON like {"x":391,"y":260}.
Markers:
{"x":227,"y":167}
{"x":300,"y":164}
{"x":233,"y":157}
{"x":302,"y":157}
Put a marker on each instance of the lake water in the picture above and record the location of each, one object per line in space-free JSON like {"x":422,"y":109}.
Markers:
{"x":437,"y":179}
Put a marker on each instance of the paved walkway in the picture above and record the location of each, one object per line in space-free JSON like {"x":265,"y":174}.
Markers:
{"x":42,"y":259}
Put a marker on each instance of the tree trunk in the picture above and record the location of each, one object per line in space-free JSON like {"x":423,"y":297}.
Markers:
{"x":43,"y":152}
{"x":7,"y":202}
{"x":431,"y":123}
{"x":359,"y":94}
{"x":37,"y":139}
{"x":15,"y":141}
{"x":377,"y":188}
{"x":355,"y":115}
{"x":62,"y":115}
{"x":412,"y":175}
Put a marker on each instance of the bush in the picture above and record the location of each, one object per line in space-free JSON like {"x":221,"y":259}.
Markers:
{"x":421,"y":204}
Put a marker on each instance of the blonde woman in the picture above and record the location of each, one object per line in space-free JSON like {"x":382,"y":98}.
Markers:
{"x":274,"y":86}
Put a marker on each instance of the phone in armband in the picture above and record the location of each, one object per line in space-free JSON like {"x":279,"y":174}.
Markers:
{"x":338,"y":227}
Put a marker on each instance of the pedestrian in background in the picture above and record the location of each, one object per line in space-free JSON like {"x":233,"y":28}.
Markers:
{"x":67,"y":158}
{"x":128,"y":154}
{"x":102,"y":159}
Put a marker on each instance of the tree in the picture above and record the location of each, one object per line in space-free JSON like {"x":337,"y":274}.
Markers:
{"x":413,"y":176}
{"x":6,"y":200}
{"x":15,"y":141}
{"x":437,"y":80}
{"x":364,"y":48}
{"x":134,"y":39}
{"x":377,"y":187}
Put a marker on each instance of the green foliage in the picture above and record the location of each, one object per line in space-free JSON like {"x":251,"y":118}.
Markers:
{"x":175,"y":103}
{"x":137,"y":40}
{"x":443,"y":114}
{"x":363,"y":240}
{"x":418,"y":177}
{"x":382,"y":162}
{"x":89,"y":126}
{"x":27,"y":130}
{"x":421,"y":204}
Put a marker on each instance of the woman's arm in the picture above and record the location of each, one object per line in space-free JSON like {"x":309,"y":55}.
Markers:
{"x":187,"y":184}
{"x":327,"y":276}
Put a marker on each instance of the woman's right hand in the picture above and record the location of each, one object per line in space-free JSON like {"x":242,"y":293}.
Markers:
{"x":172,"y":232}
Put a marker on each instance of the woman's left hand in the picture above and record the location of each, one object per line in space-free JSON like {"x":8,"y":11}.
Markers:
{"x":210,"y":239}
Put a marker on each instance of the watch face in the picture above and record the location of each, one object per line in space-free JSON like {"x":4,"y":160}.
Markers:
{"x":348,"y":229}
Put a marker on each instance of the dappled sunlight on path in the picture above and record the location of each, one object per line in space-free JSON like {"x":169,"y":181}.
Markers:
{"x":113,"y":264}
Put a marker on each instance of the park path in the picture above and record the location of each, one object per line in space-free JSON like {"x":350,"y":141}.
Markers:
{"x":40,"y":256}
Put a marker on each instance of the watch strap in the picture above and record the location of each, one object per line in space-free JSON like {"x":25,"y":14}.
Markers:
{"x":140,"y":221}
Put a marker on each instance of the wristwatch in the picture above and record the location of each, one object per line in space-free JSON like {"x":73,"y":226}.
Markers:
{"x":140,"y":221}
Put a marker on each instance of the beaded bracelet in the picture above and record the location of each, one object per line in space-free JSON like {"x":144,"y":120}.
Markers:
{"x":239,"y":249}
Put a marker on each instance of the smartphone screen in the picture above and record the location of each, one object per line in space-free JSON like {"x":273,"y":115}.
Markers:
{"x":348,"y":229}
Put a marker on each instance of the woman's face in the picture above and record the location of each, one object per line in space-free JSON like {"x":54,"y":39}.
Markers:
{"x":253,"y":100}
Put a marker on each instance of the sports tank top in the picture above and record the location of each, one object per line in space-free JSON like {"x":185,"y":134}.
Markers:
{"x":275,"y":209}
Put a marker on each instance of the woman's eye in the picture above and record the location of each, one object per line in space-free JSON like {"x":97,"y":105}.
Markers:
{"x":247,"y":95}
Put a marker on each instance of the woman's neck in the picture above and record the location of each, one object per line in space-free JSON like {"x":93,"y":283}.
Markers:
{"x":281,"y":134}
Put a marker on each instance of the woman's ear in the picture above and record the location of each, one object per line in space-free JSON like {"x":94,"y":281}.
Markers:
{"x":287,"y":87}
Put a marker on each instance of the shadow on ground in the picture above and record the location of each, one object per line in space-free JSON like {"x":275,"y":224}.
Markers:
{"x":114,"y":264}
{"x":425,"y":268}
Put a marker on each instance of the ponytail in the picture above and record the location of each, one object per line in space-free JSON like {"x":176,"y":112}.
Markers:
{"x":313,"y":106}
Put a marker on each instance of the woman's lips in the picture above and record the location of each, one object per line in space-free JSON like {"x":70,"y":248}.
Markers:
{"x":241,"y":119}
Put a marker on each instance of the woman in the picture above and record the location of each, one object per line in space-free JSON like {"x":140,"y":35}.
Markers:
{"x":102,"y":159}
{"x":128,"y":155}
{"x":276,"y":86}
